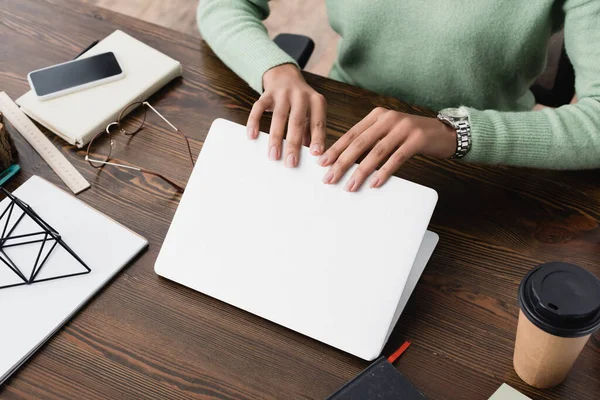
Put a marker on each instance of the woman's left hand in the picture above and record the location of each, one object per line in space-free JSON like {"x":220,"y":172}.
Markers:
{"x":391,"y":136}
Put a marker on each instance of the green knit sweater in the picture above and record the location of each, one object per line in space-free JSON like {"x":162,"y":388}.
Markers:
{"x":480,"y":54}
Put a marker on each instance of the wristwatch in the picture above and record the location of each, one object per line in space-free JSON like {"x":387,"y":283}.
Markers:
{"x":458,"y":120}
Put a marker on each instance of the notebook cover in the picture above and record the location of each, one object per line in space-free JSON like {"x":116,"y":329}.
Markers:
{"x":32,"y":313}
{"x":379,"y":381}
{"x":506,"y":392}
{"x":78,"y":116}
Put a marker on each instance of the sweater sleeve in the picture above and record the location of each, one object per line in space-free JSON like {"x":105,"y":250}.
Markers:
{"x":567,"y":137}
{"x":234,"y":31}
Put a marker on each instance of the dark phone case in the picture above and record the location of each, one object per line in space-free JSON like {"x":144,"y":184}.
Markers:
{"x":380,"y":381}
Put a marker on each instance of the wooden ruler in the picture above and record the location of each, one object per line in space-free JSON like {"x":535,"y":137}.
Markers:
{"x":55,"y":159}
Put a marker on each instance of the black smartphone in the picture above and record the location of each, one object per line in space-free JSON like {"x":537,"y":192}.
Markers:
{"x":75,"y":75}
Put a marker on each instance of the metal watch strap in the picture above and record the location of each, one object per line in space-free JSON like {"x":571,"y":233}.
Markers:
{"x":463,"y":139}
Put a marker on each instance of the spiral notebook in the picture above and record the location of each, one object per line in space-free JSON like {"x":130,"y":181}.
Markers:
{"x":31,"y":313}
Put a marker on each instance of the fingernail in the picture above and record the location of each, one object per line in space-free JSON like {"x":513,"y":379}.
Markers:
{"x":290,"y":161}
{"x":250,"y":132}
{"x":374,"y":182}
{"x":273,"y":153}
{"x":350,"y":185}
{"x":322,"y":161}
{"x":328,"y":177}
{"x":316,"y":149}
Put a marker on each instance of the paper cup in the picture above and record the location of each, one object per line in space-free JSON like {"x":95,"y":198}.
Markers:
{"x":560,"y":309}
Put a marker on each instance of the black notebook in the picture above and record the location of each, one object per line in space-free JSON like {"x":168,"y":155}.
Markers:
{"x":380,"y":381}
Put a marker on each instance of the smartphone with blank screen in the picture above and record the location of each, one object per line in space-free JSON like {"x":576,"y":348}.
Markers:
{"x":71,"y":76}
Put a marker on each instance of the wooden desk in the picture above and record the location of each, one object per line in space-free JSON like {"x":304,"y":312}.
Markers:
{"x":146,"y":337}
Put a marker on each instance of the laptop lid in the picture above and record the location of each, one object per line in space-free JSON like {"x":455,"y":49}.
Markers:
{"x":280,"y":244}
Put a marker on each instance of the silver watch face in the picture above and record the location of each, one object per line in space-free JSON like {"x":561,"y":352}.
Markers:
{"x":454,"y":113}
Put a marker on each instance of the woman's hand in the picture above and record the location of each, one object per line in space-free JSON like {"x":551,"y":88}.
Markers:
{"x":391,"y":136}
{"x":287,"y":94}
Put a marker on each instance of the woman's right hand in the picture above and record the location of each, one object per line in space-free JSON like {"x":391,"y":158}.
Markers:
{"x":287,"y":94}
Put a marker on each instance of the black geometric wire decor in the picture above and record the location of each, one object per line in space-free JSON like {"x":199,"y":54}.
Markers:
{"x":45,"y":236}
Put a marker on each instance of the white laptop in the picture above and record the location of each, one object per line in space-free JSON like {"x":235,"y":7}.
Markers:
{"x":338,"y":267}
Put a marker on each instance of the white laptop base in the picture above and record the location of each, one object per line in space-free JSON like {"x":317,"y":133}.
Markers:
{"x":274,"y":241}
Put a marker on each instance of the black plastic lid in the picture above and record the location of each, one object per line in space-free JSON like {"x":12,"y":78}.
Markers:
{"x":561,"y":299}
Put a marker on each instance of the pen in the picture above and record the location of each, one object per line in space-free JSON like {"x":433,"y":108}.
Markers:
{"x":95,"y":42}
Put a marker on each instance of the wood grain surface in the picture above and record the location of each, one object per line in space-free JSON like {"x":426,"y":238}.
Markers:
{"x":145,"y":337}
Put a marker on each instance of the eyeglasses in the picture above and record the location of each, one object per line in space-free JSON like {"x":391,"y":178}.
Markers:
{"x":131,"y":120}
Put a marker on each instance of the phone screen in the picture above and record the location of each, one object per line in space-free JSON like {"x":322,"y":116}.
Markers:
{"x":76,"y":73}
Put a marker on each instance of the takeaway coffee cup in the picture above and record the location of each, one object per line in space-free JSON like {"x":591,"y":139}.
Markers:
{"x":560,"y":309}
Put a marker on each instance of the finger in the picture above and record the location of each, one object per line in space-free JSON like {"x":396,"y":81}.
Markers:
{"x":256,"y":113}
{"x":359,"y":146}
{"x":407,"y":150}
{"x":306,"y":137}
{"x":380,"y":152}
{"x":278,"y":120}
{"x":334,"y":151}
{"x":318,"y":115}
{"x":295,"y":133}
